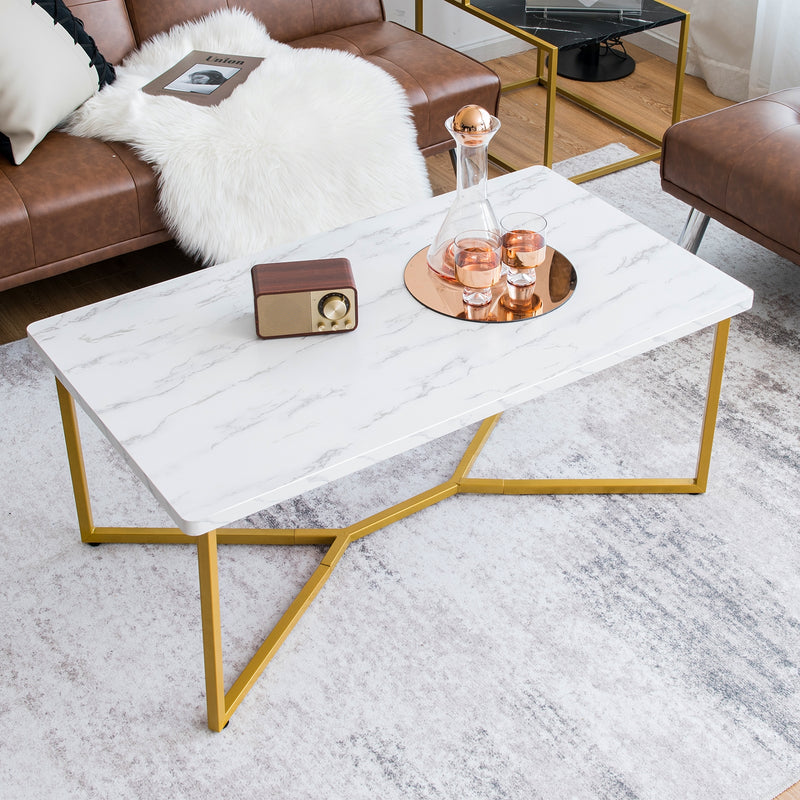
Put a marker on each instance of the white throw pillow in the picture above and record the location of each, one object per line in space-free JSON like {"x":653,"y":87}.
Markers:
{"x":45,"y":74}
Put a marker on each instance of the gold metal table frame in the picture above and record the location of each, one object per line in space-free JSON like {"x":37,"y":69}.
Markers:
{"x":547,"y":75}
{"x":221,"y":704}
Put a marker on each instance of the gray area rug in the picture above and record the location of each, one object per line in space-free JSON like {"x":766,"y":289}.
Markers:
{"x":489,"y":647}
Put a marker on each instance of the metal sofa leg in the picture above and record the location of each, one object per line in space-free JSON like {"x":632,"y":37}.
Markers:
{"x":693,"y":230}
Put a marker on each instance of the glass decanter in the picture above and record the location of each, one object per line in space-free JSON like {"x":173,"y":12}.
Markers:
{"x":472,"y":127}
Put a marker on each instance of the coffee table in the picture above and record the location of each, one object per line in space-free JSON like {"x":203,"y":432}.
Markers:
{"x":220,"y":424}
{"x":562,"y":33}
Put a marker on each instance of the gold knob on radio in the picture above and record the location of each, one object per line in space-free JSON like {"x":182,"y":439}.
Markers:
{"x":334,"y":306}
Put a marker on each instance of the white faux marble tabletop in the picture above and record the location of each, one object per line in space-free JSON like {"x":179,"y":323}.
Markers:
{"x":220,"y":424}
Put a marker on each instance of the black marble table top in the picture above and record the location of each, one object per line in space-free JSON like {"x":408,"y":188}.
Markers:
{"x":576,"y":28}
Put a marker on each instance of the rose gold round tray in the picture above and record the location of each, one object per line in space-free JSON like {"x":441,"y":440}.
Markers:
{"x":555,"y":283}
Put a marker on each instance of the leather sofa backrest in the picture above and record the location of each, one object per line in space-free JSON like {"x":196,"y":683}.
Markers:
{"x":117,"y":26}
{"x":108,"y":23}
{"x":285,"y":20}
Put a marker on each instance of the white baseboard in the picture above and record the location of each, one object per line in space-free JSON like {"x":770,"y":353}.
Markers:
{"x":662,"y":45}
{"x":460,"y":31}
{"x":657,"y":43}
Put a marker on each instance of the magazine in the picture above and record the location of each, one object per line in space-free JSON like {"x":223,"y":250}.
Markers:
{"x":203,"y":78}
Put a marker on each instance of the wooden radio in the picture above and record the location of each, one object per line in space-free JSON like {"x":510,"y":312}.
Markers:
{"x":298,"y":298}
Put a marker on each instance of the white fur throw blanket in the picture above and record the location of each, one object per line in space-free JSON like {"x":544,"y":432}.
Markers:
{"x":312,"y":140}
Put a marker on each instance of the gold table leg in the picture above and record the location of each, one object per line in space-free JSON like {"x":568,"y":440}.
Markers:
{"x":221,"y":704}
{"x":212,"y":632}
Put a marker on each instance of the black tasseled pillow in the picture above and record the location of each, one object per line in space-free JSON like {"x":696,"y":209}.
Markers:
{"x":49,"y":65}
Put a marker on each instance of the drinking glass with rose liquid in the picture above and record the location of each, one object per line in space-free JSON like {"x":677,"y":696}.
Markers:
{"x":478,"y":264}
{"x":524,"y":246}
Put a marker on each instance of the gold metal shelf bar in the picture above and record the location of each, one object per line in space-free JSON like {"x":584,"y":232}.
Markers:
{"x":510,"y":87}
{"x":680,"y":64}
{"x":505,"y":165}
{"x":610,"y":116}
{"x":616,"y":166}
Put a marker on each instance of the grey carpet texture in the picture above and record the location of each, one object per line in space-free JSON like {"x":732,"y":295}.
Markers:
{"x":620,"y":647}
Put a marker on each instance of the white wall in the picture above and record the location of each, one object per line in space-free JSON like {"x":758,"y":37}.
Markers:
{"x":456,"y":28}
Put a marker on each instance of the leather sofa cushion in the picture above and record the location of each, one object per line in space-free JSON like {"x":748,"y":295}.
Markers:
{"x":79,"y":195}
{"x":17,"y":242}
{"x":107,"y":22}
{"x":741,"y":164}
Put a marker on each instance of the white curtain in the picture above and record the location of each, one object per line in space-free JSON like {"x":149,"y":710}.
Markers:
{"x":744,"y":48}
{"x":721,"y":44}
{"x":776,"y":49}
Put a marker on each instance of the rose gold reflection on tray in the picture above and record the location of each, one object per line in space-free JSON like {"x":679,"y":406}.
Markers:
{"x":554,"y":285}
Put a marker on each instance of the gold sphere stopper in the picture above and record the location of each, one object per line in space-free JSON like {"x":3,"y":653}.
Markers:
{"x":472,"y":119}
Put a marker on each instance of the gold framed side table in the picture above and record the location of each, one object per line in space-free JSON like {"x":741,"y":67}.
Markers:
{"x":551,"y":32}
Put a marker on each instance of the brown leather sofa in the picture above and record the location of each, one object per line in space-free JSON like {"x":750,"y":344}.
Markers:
{"x":76,"y":201}
{"x":741,"y":167}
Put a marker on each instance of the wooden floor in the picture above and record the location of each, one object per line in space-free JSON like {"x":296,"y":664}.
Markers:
{"x":644,"y":98}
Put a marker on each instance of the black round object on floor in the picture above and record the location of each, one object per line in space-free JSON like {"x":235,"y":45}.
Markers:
{"x":594,"y":62}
